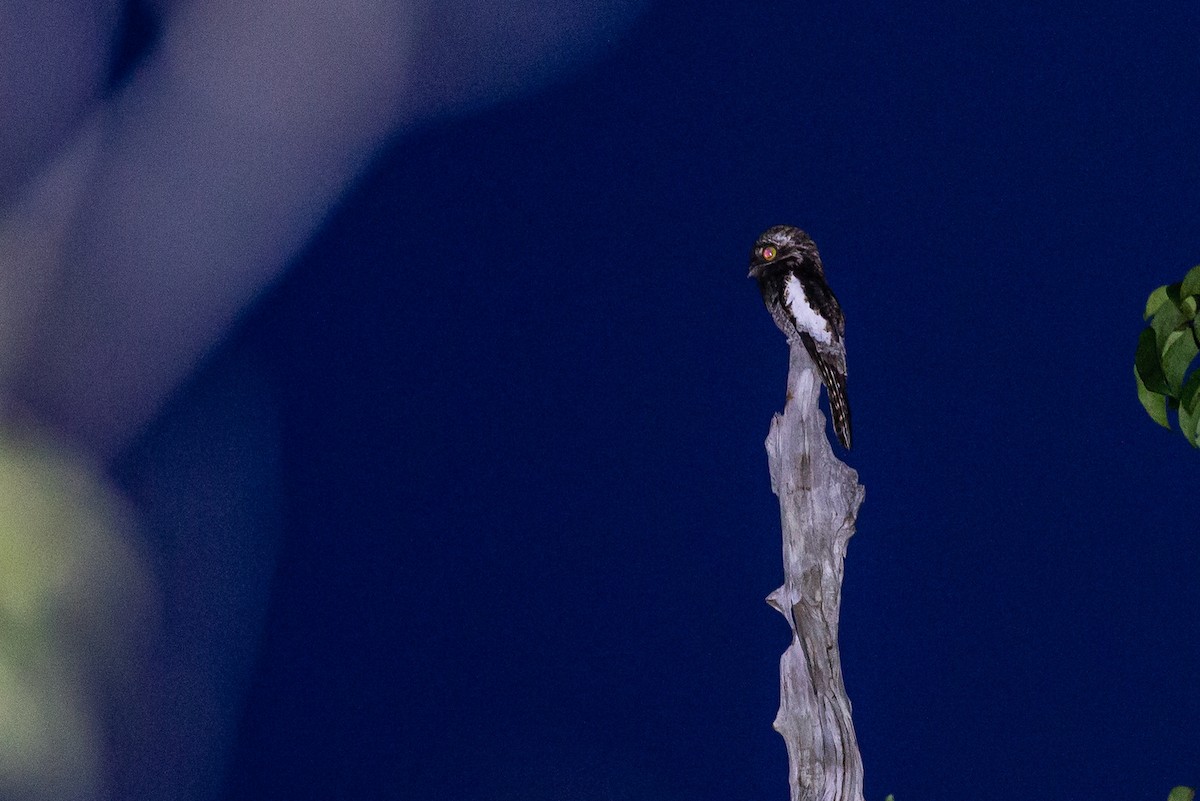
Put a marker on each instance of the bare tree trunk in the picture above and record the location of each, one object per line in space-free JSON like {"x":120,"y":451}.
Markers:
{"x":819,"y":498}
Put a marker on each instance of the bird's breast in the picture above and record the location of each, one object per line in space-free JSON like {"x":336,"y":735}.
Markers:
{"x":806,"y":317}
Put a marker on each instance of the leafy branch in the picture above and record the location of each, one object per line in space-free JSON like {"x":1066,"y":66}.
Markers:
{"x":1165,"y":352}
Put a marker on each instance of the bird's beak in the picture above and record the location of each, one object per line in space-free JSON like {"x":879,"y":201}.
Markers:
{"x":755,"y":271}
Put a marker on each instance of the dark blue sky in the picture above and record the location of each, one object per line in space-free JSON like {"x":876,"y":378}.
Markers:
{"x":525,"y":384}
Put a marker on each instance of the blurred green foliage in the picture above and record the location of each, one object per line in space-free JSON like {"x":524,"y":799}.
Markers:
{"x":75,"y":609}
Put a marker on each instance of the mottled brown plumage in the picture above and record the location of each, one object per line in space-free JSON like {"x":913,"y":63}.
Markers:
{"x":792,"y":280}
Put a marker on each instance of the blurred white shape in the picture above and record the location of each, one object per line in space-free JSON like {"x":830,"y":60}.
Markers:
{"x":222,"y":155}
{"x":53,"y":61}
{"x":134,"y":228}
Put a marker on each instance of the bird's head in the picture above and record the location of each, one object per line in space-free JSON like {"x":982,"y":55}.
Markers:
{"x":780,"y":247}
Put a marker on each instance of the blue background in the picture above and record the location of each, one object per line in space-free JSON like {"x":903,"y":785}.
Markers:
{"x":525,"y":382}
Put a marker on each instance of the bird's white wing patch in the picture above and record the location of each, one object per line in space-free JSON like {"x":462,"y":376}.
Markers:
{"x":806,"y":317}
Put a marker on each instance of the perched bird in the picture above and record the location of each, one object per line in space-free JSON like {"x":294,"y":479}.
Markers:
{"x":789,"y":272}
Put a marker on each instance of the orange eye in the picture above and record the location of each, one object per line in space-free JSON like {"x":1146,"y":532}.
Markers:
{"x":769,"y":253}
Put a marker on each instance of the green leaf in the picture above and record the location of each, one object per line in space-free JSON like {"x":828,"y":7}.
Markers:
{"x":1190,"y":287}
{"x":1157,"y":298}
{"x":1189,"y":409}
{"x":1179,"y":350}
{"x":1188,"y":306}
{"x":1189,"y":398}
{"x":1147,"y":365}
{"x":1182,"y":794}
{"x":1168,"y":320}
{"x":1154,"y":403}
{"x":1187,"y":425}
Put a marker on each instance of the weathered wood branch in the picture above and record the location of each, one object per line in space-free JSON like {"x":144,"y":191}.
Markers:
{"x":819,"y":498}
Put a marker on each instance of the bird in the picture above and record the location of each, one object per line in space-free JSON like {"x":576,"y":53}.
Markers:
{"x":792,"y":280}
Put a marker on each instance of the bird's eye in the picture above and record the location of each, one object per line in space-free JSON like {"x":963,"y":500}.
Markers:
{"x":769,"y":253}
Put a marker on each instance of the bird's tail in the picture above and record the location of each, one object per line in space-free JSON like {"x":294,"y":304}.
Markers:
{"x":839,"y":406}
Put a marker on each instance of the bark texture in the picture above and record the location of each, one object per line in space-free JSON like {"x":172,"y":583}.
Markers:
{"x":819,"y":498}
